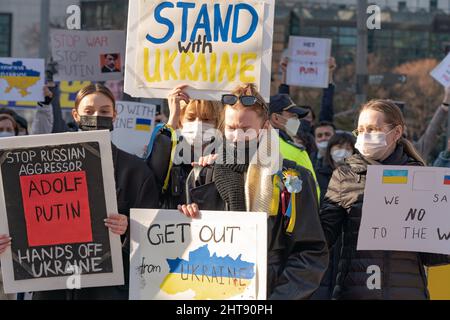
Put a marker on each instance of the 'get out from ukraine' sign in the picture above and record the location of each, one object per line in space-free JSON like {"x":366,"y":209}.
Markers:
{"x":210,"y":45}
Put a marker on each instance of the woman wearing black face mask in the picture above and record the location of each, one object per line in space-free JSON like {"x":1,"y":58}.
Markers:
{"x":135,"y":188}
{"x":297,"y":254}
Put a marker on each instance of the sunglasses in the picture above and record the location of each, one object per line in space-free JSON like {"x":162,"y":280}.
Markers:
{"x":247,"y":101}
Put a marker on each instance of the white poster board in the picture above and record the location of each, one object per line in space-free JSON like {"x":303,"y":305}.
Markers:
{"x":133,"y":126}
{"x":308,"y":62}
{"x":406,"y":209}
{"x":442,"y":72}
{"x":221,"y":255}
{"x":88,"y":55}
{"x":211,"y":45}
{"x":22,"y":79}
{"x":55,"y":192}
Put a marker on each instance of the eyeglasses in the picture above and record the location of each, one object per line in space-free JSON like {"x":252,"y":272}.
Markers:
{"x":246,"y":100}
{"x":357,"y":132}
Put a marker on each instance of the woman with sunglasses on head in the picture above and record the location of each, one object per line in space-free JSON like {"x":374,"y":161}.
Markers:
{"x":240,"y":181}
{"x":379,"y":142}
{"x":135,"y":188}
{"x":176,"y":146}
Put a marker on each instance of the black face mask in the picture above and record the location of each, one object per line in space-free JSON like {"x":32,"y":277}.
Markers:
{"x":91,"y":123}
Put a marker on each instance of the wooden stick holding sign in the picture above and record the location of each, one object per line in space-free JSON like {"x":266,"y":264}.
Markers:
{"x":55,"y":192}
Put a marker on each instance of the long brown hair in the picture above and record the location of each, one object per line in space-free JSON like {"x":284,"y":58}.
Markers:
{"x":203,"y":109}
{"x":393,"y":116}
{"x":93,"y":88}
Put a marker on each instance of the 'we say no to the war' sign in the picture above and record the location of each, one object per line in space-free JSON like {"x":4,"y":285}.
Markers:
{"x":210,"y":45}
{"x":55,"y":192}
{"x":406,"y":209}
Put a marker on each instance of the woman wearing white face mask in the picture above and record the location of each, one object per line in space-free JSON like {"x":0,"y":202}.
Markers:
{"x":191,"y":127}
{"x":380,"y":142}
{"x":8,"y":126}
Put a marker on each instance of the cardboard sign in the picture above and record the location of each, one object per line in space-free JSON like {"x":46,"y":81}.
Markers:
{"x":55,"y":192}
{"x":133,"y":126}
{"x":308,"y":62}
{"x":88,"y":55}
{"x":22,"y":79}
{"x":406,"y":209}
{"x":211,"y":45}
{"x":222,"y":255}
{"x":442,"y":72}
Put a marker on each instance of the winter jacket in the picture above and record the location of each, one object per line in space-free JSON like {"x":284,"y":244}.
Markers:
{"x":443,"y":160}
{"x":402,"y":273}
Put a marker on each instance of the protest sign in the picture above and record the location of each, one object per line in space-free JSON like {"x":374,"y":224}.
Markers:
{"x":308,"y":62}
{"x":88,"y":55}
{"x":222,"y":255}
{"x":406,"y":209}
{"x":442,"y":72}
{"x":211,"y":45}
{"x":55,"y":192}
{"x":22,"y":79}
{"x":133,"y":126}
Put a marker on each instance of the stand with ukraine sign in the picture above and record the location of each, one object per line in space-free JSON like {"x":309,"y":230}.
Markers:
{"x":175,"y":257}
{"x":211,"y":45}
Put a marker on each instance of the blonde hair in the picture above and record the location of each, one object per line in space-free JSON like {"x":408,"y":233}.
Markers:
{"x":394,"y":117}
{"x":204,"y":110}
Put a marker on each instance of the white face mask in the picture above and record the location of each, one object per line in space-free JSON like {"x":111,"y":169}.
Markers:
{"x":372,"y":145}
{"x":340,"y":155}
{"x":322,"y":146}
{"x":292,"y":126}
{"x":6,"y":134}
{"x":197,"y":132}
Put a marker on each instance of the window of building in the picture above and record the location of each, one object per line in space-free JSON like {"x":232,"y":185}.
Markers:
{"x":109,"y":14}
{"x":5,"y":34}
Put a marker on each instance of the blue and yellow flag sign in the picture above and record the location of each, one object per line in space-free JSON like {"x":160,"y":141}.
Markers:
{"x":212,"y":45}
{"x":395,"y":176}
{"x":174,"y":257}
{"x":22,"y":79}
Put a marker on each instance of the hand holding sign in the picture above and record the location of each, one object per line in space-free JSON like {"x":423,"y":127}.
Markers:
{"x":117,"y":223}
{"x":174,"y":98}
{"x":189,"y":210}
{"x":5,"y":243}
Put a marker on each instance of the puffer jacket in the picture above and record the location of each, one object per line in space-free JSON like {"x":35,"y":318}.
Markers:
{"x":402,"y":273}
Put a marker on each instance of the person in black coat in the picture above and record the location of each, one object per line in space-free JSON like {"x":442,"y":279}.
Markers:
{"x":297,"y":253}
{"x":380,"y":142}
{"x":135,"y":188}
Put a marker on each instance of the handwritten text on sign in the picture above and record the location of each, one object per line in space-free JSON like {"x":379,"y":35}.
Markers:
{"x":406,"y":209}
{"x":210,"y":45}
{"x":177,"y":257}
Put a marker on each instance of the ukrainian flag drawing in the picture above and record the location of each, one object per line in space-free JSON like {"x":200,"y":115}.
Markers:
{"x":447,"y":180}
{"x":395,"y":176}
{"x":143,"y":124}
{"x":209,"y":276}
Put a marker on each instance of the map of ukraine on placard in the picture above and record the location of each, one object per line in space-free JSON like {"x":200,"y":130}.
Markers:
{"x":18,"y":76}
{"x":210,"y":277}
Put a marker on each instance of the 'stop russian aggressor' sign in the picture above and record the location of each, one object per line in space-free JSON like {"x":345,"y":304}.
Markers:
{"x":210,"y":45}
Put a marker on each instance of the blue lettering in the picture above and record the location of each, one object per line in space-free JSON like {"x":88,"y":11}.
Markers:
{"x":254,"y":24}
{"x":184,"y":20}
{"x":162,"y":20}
{"x":221,"y":27}
{"x":203,"y":15}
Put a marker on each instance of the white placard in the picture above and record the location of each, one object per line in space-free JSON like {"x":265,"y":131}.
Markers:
{"x":22,"y":79}
{"x":221,"y":255}
{"x":308,"y":62}
{"x":442,"y":72}
{"x":55,"y":192}
{"x":133,"y":126}
{"x":88,"y":55}
{"x":406,"y":209}
{"x":211,"y":45}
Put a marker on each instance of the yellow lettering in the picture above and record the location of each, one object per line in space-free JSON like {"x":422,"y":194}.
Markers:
{"x":157,"y":76}
{"x":213,"y":63}
{"x":200,"y":67}
{"x":247,"y":66}
{"x":169,"y":71}
{"x":185,"y":66}
{"x":225,"y":67}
